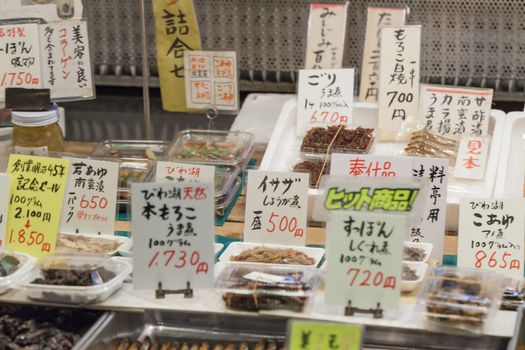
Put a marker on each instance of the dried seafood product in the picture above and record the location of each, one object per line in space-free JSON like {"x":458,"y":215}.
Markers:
{"x":317,"y":140}
{"x":425,"y":143}
{"x":8,"y":264}
{"x":314,"y":168}
{"x":72,"y":277}
{"x":512,"y":299}
{"x":84,"y":244}
{"x":148,"y":344}
{"x":413,"y":254}
{"x":273,"y":256}
{"x":409,"y":274}
{"x":213,"y":150}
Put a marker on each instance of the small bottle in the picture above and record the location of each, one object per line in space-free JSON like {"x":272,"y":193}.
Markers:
{"x":37,"y":133}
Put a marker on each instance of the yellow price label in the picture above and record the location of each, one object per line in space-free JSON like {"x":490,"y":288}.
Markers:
{"x":37,"y":189}
{"x":324,"y":336}
{"x":176,"y":30}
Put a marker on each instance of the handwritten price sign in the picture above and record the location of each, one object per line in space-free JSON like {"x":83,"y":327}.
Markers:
{"x":37,"y":191}
{"x":492,"y":235}
{"x":276,"y":207}
{"x":173,"y":234}
{"x":316,"y":335}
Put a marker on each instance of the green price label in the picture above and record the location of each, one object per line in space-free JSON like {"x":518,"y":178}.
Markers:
{"x":323,"y":336}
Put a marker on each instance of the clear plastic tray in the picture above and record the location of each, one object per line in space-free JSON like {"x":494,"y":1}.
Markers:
{"x":26,"y":262}
{"x":221,"y":207}
{"x":463,"y":298}
{"x":360,"y":141}
{"x":75,"y":294}
{"x":255,"y":287}
{"x":212,"y":146}
{"x":131,"y":171}
{"x":90,"y":241}
{"x":131,"y":149}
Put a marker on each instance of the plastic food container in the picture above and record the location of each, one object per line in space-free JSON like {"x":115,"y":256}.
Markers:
{"x":225,"y":177}
{"x":131,"y":171}
{"x":461,"y":298}
{"x":236,"y":248}
{"x":420,"y":269}
{"x":108,"y":274}
{"x":77,"y":243}
{"x":255,"y":288}
{"x":416,"y":251}
{"x":317,"y":140}
{"x":26,"y":262}
{"x":222,"y":207}
{"x":212,"y":146}
{"x":131,"y":149}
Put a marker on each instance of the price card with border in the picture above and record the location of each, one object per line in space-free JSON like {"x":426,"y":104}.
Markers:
{"x":91,"y":197}
{"x":211,"y":80}
{"x":364,"y":258}
{"x":491,"y":235}
{"x":471,"y":160}
{"x":173,"y":234}
{"x":171,"y":171}
{"x":276,"y":207}
{"x":453,"y":111}
{"x":20,"y":65}
{"x":4,"y":199}
{"x":326,"y":36}
{"x":430,"y":227}
{"x":37,"y":190}
{"x":398,"y":78}
{"x":376,"y":18}
{"x":310,"y":335}
{"x":325,"y":97}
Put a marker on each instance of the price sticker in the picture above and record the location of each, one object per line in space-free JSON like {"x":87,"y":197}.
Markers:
{"x":491,"y":235}
{"x":173,"y":234}
{"x":91,"y":197}
{"x":4,"y":198}
{"x":37,"y":190}
{"x":276,"y":207}
{"x":304,"y":335}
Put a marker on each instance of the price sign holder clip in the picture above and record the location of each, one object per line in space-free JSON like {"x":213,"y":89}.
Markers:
{"x":161,"y":293}
{"x":211,"y":113}
{"x":350,"y":311}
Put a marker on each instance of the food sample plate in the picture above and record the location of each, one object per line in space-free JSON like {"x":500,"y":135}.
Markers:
{"x":77,"y":243}
{"x":283,"y":152}
{"x":419,"y":270}
{"x":236,"y":248}
{"x":25,"y":263}
{"x":416,"y":251}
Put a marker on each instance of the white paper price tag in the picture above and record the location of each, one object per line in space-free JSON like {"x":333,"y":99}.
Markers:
{"x":4,"y":200}
{"x":66,"y":62}
{"x":430,"y":227}
{"x":491,"y":235}
{"x":91,"y":197}
{"x":325,"y":97}
{"x":453,"y":111}
{"x":399,"y":78}
{"x":472,"y":158}
{"x":276,"y":208}
{"x":211,"y":80}
{"x":19,"y":57}
{"x":377,"y":17}
{"x":173,"y":235}
{"x":170,"y":171}
{"x":364,"y":255}
{"x":326,"y":36}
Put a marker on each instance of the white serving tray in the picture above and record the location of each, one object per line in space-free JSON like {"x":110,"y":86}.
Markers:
{"x":511,"y":167}
{"x":283,"y":152}
{"x":237,"y":248}
{"x":421,"y":270}
{"x":427,"y":247}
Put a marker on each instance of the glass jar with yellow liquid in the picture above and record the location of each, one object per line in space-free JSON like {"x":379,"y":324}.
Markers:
{"x":37,"y":133}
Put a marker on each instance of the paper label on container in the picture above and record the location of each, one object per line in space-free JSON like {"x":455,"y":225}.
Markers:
{"x":211,"y":80}
{"x":37,"y":189}
{"x":453,"y":111}
{"x":176,"y":31}
{"x":472,"y":158}
{"x":19,"y":57}
{"x":307,"y":335}
{"x":377,"y":17}
{"x":491,"y":235}
{"x":173,"y":234}
{"x":4,"y":198}
{"x":326,"y":36}
{"x":276,"y":207}
{"x":364,"y":255}
{"x":170,"y":171}
{"x":91,"y":197}
{"x":430,"y":227}
{"x":399,"y":78}
{"x":325,"y":97}
{"x":66,"y":60}
{"x":32,"y":151}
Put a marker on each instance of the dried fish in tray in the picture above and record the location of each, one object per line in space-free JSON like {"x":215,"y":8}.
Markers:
{"x":193,"y":344}
{"x":425,"y":143}
{"x":340,"y":140}
{"x":273,"y":256}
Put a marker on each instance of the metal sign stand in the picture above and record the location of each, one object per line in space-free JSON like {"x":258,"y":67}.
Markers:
{"x":161,"y":293}
{"x":377,"y":312}
{"x":145,"y":71}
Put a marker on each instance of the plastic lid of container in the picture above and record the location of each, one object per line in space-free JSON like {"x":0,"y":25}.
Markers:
{"x":39,"y":118}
